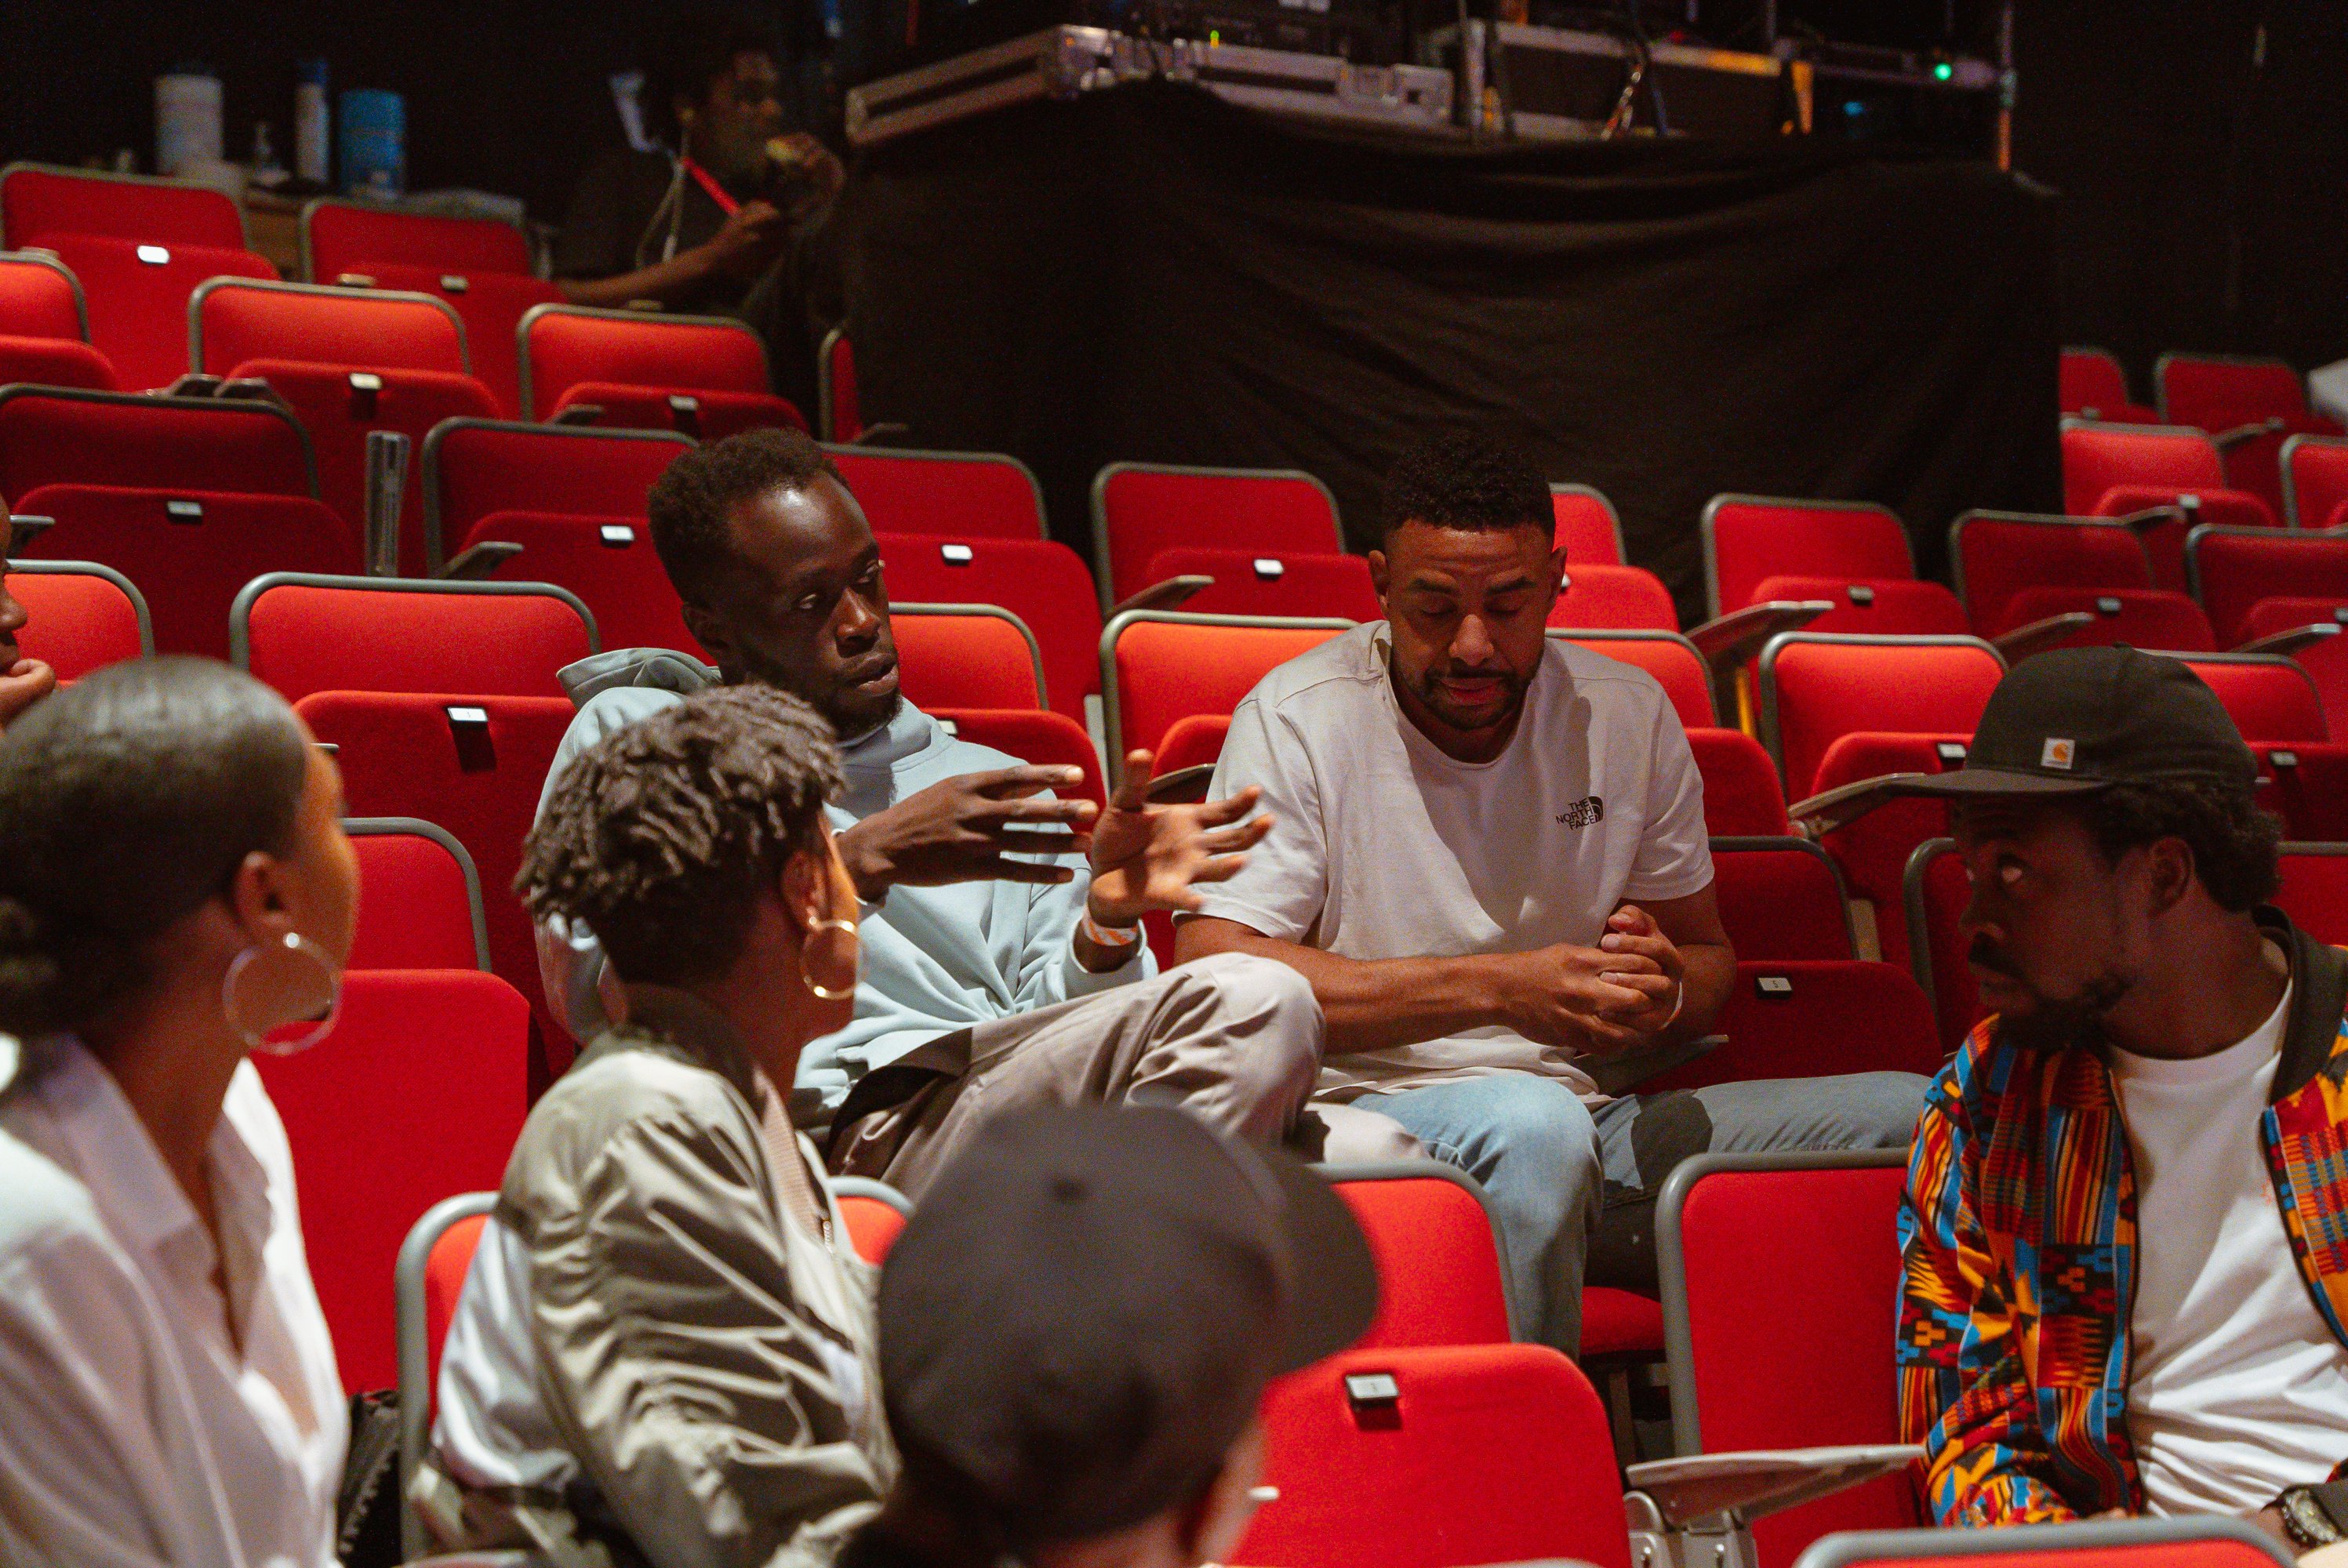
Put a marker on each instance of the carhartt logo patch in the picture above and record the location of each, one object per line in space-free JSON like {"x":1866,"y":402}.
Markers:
{"x":1583,"y":812}
{"x":2057,"y":753}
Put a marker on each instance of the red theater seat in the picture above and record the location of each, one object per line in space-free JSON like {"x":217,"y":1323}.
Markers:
{"x":966,"y":656}
{"x":303,"y":633}
{"x":1815,"y":689}
{"x":1263,"y":582}
{"x":1434,"y":1244}
{"x":138,"y":294}
{"x":1878,"y":606}
{"x":1999,"y":555}
{"x":2270,"y":698}
{"x":1368,"y":1481}
{"x":472,"y":467}
{"x":2116,"y":471}
{"x":232,"y":320}
{"x":2307,"y":786}
{"x":2139,"y":617}
{"x":954,"y":494}
{"x":55,"y":362}
{"x":1747,"y":538}
{"x":1937,"y":891}
{"x":2231,"y":569}
{"x":1588,"y":530}
{"x":2315,"y":481}
{"x":1669,"y":657}
{"x":2218,"y":392}
{"x":388,"y":1115}
{"x":608,"y":562}
{"x":189,"y":551}
{"x":695,"y":414}
{"x":1620,"y":598}
{"x":491,"y":305}
{"x":57,"y":437}
{"x":1161,"y":666}
{"x":2315,"y":889}
{"x":1742,"y":796}
{"x":874,"y":1214}
{"x":40,"y":297}
{"x":429,"y":1279}
{"x":338,"y":236}
{"x":2326,"y":661}
{"x":1873,"y":850}
{"x":1034,"y":736}
{"x":474,"y":766}
{"x":79,"y":616}
{"x":836,"y":388}
{"x":1803,"y":1019}
{"x":2094,"y":386}
{"x":1191,"y":742}
{"x":419,"y":897}
{"x":1141,"y":508}
{"x":563,"y":346}
{"x":1041,"y":582}
{"x":1781,"y":898}
{"x":38,"y":201}
{"x":1781,"y":1286}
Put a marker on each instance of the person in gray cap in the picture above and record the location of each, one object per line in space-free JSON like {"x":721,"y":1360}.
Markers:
{"x":2126,"y":1228}
{"x":1077,"y":1329}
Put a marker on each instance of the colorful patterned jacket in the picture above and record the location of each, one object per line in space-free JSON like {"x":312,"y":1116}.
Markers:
{"x":2018,"y":1243}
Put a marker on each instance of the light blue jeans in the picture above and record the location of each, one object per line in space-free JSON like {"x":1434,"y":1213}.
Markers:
{"x":1547,"y":1164}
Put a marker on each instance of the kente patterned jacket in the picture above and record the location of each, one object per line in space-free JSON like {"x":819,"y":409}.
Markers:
{"x":2018,"y":1254}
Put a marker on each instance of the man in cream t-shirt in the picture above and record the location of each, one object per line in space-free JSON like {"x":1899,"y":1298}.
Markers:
{"x":1488,"y":856}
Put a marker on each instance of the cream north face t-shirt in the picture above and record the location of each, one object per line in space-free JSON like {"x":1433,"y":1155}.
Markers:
{"x":1383,"y":847}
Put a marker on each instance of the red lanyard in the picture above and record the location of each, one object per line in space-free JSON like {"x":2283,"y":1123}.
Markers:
{"x":725,"y":203}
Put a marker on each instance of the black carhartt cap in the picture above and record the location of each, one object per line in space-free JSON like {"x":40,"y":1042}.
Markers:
{"x":1079,"y":1320}
{"x":2079,"y":719}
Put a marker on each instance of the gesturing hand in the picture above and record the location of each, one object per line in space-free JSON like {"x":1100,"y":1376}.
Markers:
{"x":965,"y":829}
{"x":22,"y":684}
{"x":1148,"y":856}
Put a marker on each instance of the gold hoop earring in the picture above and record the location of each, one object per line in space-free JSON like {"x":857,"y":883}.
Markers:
{"x":829,"y":993}
{"x":321,"y":1006}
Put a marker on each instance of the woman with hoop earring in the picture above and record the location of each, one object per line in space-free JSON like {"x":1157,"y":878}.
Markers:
{"x":176,"y":893}
{"x":664,"y":1351}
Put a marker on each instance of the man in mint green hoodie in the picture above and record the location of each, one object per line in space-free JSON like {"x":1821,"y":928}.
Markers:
{"x":1003,"y":961}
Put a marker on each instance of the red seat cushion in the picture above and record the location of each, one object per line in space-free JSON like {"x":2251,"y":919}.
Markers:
{"x":1041,"y":582}
{"x":1619,"y":1323}
{"x":344,"y":236}
{"x":1270,"y":582}
{"x":1749,"y":539}
{"x":475,"y":467}
{"x":139,"y":293}
{"x":563,"y":346}
{"x":954,"y":495}
{"x":1140,"y":510}
{"x":365,"y":328}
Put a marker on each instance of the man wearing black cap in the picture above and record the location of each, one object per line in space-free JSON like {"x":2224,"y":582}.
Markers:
{"x":2126,"y":1231}
{"x":1077,"y":1328}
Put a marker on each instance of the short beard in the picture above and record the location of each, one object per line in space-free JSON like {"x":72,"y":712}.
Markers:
{"x":846,"y":724}
{"x":1426,"y":693}
{"x":2074,"y":1021}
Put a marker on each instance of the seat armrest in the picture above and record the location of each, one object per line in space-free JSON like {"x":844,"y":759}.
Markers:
{"x":2225,"y":440}
{"x":2288,"y":641}
{"x":1162,"y":595}
{"x":1752,"y":1485}
{"x":1730,"y":640}
{"x":475,"y":564}
{"x":2151,"y":518}
{"x":882,"y":434}
{"x":2040,"y":635}
{"x":25,"y":527}
{"x":1821,"y":814}
{"x":577,"y":414}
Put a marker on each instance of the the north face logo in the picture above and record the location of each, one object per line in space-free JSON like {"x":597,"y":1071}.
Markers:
{"x":1583,"y":812}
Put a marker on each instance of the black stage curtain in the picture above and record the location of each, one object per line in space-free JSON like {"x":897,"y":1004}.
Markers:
{"x":1152,"y":274}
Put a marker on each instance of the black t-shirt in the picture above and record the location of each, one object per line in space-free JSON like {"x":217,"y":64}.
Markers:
{"x":609,"y":230}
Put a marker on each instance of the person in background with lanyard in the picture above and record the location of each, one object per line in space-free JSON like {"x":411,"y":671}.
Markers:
{"x":697,"y":229}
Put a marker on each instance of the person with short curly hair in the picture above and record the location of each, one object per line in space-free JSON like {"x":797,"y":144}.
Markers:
{"x":665,"y":1343}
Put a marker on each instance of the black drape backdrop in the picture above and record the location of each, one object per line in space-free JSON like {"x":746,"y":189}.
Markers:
{"x":1151,"y":274}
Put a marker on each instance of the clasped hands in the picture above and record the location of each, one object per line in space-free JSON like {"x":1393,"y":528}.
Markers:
{"x":1144,"y":857}
{"x":1621,"y":993}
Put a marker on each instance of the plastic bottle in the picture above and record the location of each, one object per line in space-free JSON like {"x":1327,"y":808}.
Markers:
{"x":374,"y":129}
{"x":187,"y":118}
{"x":310,"y":122}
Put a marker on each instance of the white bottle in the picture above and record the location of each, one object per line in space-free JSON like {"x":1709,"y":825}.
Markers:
{"x":187,"y":119}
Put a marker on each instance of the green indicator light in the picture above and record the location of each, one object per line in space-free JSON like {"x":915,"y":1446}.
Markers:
{"x":1943,"y":71}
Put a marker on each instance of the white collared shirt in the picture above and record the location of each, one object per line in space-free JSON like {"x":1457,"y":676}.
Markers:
{"x":134,"y":1430}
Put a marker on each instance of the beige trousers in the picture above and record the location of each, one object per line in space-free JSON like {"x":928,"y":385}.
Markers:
{"x":1233,"y":1039}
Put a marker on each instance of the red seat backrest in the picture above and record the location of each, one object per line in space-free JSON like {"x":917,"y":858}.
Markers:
{"x":419,"y":897}
{"x":2093,"y":384}
{"x":189,"y":551}
{"x":609,"y":562}
{"x":55,"y":362}
{"x":1787,"y":1282}
{"x":139,"y":295}
{"x":491,"y":305}
{"x":1816,"y":1018}
{"x":2100,"y":457}
{"x":1814,"y":688}
{"x":1742,"y":796}
{"x":1878,"y":606}
{"x":2315,"y":481}
{"x":340,"y":237}
{"x":2233,"y":569}
{"x":39,"y":297}
{"x":1781,"y":899}
{"x":1438,"y":1267}
{"x":339,"y":416}
{"x":1873,"y":850}
{"x":445,"y":1268}
{"x":874,"y":1226}
{"x":563,"y":346}
{"x":387,"y":1116}
{"x":2215,"y":393}
{"x":1999,"y":554}
{"x":1937,"y":893}
{"x":1588,"y":529}
{"x":965,"y":656}
{"x":1041,"y":582}
{"x":843,"y":418}
{"x":61,"y":437}
{"x":2326,"y":661}
{"x":404,"y":754}
{"x":2139,"y":617}
{"x":381,"y":634}
{"x":1749,"y":537}
{"x":1669,"y":658}
{"x":473,"y":467}
{"x":1036,"y":735}
{"x":2270,"y":698}
{"x":1192,"y":741}
{"x":36,"y":202}
{"x":700,"y":414}
{"x":2315,"y":889}
{"x":1140,"y":508}
{"x":954,"y":494}
{"x":232,"y":320}
{"x":1270,"y":582}
{"x":1624,"y":598}
{"x":1163,"y":667}
{"x":1411,"y":1482}
{"x":79,"y":615}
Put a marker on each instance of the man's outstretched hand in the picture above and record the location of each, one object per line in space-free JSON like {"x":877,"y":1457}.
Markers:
{"x":1147,"y":856}
{"x":965,"y":830}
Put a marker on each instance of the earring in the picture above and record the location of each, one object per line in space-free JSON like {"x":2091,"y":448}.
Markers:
{"x":276,"y":969}
{"x":829,"y":993}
